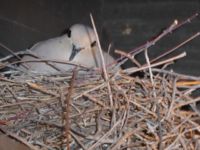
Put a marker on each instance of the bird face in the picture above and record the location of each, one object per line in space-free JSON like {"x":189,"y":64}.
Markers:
{"x":74,"y":52}
{"x":82,"y":38}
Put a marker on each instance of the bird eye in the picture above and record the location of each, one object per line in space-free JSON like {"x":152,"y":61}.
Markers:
{"x":93,"y":44}
{"x":68,"y":32}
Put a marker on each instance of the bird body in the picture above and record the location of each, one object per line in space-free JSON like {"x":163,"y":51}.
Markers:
{"x":77,"y":46}
{"x":52,"y":49}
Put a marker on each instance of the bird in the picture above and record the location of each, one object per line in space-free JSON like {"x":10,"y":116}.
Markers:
{"x":77,"y":45}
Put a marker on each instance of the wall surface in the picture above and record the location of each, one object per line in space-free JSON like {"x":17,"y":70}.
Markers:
{"x":25,"y":22}
{"x":126,"y":24}
{"x":134,"y":22}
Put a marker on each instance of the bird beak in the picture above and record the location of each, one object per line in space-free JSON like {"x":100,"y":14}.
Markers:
{"x":75,"y":51}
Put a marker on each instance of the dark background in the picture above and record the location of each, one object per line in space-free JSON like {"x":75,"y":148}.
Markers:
{"x":125,"y":23}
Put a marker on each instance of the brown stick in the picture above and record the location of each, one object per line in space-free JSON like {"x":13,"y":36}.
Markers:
{"x":67,"y":109}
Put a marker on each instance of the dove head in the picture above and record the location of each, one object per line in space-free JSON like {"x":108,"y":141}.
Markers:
{"x":82,"y":38}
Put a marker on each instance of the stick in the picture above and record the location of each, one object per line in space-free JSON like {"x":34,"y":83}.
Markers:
{"x":133,"y":69}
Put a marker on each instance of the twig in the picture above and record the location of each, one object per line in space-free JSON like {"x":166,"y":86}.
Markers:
{"x":133,"y":70}
{"x":68,"y":109}
{"x":45,"y":61}
{"x":105,"y":73}
{"x":187,"y":103}
{"x":155,"y":97}
{"x":179,"y":75}
{"x":103,"y":62}
{"x":11,"y":51}
{"x":129,"y":57}
{"x":176,"y":47}
{"x":94,"y":100}
{"x":41,"y":89}
{"x":173,"y":99}
{"x":104,"y":136}
{"x":121,"y":140}
{"x":78,"y":141}
{"x":153,"y":41}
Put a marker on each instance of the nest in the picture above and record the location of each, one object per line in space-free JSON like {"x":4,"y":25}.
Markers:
{"x":103,"y":110}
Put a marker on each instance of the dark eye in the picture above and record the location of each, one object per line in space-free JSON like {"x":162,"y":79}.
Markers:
{"x":93,"y":44}
{"x":68,"y":32}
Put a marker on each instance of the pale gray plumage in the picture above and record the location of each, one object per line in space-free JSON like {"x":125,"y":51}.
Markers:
{"x":60,"y":48}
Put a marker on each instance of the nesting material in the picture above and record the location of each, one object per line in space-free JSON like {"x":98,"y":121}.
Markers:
{"x":78,"y":111}
{"x":33,"y":110}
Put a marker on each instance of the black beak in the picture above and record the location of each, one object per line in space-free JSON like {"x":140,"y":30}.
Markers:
{"x":75,"y":51}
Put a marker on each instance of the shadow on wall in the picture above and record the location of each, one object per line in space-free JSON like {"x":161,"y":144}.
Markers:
{"x":25,"y":22}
